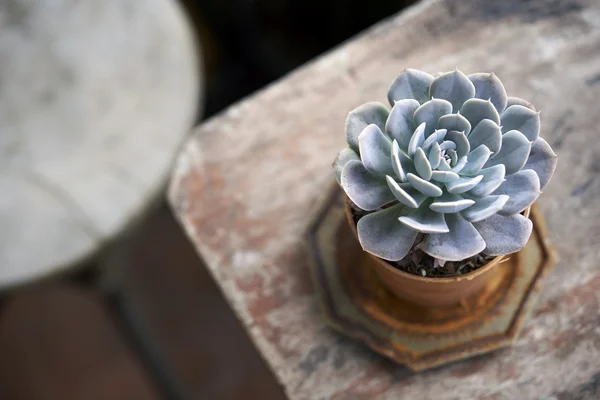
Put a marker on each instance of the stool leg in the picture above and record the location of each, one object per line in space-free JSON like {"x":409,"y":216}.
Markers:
{"x":132,"y":323}
{"x":137,"y":333}
{"x":4,"y":300}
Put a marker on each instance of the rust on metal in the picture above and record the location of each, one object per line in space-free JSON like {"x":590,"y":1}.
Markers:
{"x":356,"y":303}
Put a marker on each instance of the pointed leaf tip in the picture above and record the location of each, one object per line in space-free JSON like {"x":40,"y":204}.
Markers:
{"x":454,"y":87}
{"x":518,"y":101}
{"x":454,"y":122}
{"x":476,"y":110}
{"x":410,"y":84}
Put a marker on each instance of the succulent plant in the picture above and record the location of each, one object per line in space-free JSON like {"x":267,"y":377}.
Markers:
{"x":454,"y":159}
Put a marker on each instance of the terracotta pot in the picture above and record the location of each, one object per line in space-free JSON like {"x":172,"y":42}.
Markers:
{"x":432,"y":291}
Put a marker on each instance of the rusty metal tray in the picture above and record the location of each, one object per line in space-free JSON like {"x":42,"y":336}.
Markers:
{"x":357,"y":304}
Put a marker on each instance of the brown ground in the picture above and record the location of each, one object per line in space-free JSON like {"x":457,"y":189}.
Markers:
{"x":58,"y":341}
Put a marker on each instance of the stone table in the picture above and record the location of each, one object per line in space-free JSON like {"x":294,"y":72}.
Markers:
{"x":246,"y":186}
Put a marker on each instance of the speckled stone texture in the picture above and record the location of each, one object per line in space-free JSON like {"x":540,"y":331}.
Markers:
{"x":246,"y":186}
{"x":96,"y":98}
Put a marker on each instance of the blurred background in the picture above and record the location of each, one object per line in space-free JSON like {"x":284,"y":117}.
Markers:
{"x":249,"y":43}
{"x":61,"y":337}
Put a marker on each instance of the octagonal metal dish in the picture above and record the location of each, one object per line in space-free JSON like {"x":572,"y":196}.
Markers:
{"x":358,"y":305}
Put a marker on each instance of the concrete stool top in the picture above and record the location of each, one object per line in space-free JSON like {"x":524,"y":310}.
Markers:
{"x":95,"y":99}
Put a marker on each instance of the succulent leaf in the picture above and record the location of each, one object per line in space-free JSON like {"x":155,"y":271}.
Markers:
{"x":462,"y":143}
{"x":476,"y":160}
{"x":485,"y":208}
{"x":436,"y":137}
{"x":444,"y":165}
{"x":381,"y":234}
{"x":405,"y":193}
{"x":463,"y":184}
{"x":416,"y":140}
{"x":453,"y":157}
{"x":456,"y":160}
{"x":358,"y":119}
{"x":521,"y":119}
{"x":517,"y":101}
{"x":542,"y":160}
{"x":400,"y":124}
{"x":425,"y":220}
{"x":450,"y":203}
{"x":447,"y":145}
{"x":365,"y":189}
{"x":460,"y":164}
{"x":489,"y":86}
{"x":504,"y":234}
{"x":444,"y":176}
{"x":513,"y":154}
{"x":488,"y":133}
{"x":454,"y":122}
{"x":435,"y":155}
{"x":375,"y":151}
{"x":342,"y":158}
{"x":522,"y":189}
{"x":453,"y":86}
{"x":423,"y":186}
{"x":430,"y":112}
{"x":492,"y":178}
{"x":422,"y":164}
{"x":396,"y":163}
{"x":410,"y":84}
{"x":476,"y":110}
{"x":462,"y":240}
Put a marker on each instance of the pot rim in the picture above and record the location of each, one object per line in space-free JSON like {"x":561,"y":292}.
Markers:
{"x":380,"y":261}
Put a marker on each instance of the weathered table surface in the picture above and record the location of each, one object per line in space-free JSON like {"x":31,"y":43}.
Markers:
{"x":246,"y":185}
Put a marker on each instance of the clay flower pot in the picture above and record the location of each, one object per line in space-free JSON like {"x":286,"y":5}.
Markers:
{"x":432,"y":291}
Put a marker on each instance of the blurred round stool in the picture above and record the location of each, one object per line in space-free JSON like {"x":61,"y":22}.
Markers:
{"x":95,"y":99}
